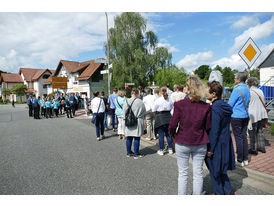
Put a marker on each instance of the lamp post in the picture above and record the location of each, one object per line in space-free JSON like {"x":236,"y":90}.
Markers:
{"x":108,"y":56}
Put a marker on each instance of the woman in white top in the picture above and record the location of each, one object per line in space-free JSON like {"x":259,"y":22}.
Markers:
{"x":162,"y":107}
{"x":98,"y":109}
{"x":257,"y":114}
{"x":149,"y":100}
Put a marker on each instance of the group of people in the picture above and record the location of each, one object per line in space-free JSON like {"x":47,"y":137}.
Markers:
{"x":196,"y":120}
{"x":49,"y":107}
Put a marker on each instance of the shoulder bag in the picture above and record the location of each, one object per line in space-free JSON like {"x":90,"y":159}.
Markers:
{"x":94,"y":116}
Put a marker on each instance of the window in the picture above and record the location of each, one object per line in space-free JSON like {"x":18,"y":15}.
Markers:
{"x":44,"y":86}
{"x":45,"y":76}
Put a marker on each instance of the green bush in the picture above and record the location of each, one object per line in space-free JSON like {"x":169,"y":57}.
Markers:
{"x":272,"y":129}
{"x":6,"y":101}
{"x":20,"y":102}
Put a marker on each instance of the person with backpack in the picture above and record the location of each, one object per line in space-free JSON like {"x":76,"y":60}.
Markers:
{"x":134,"y":111}
{"x":162,"y":107}
{"x":98,"y":109}
{"x":119,"y":102}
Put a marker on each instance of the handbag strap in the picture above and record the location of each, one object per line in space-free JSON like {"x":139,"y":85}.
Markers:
{"x":99,"y":105}
{"x":243,"y":100}
{"x":118,"y":103}
{"x":260,"y":99}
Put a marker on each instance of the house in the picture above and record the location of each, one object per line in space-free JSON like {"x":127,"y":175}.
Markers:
{"x":82,"y":77}
{"x":8,"y":80}
{"x":34,"y":79}
{"x":267,"y":69}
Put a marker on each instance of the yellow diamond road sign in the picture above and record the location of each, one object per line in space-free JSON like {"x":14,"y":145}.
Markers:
{"x":250,"y":52}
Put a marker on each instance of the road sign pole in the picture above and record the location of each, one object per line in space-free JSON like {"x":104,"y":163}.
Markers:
{"x":108,"y":56}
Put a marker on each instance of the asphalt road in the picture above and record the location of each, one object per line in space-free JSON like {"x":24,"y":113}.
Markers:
{"x":61,"y":156}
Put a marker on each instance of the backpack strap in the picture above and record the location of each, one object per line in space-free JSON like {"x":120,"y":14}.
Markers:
{"x":118,"y":103}
{"x":243,"y":100}
{"x":99,"y":105}
{"x":260,"y":99}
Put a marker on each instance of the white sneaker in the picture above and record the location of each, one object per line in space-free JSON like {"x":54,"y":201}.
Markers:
{"x":98,"y":138}
{"x":245,"y":162}
{"x":170,"y":151}
{"x":241,"y":164}
{"x":160,"y":152}
{"x":148,"y":138}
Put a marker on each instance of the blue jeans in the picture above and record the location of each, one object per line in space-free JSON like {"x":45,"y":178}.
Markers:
{"x":239,"y":127}
{"x":163,"y":131}
{"x":112,"y":112}
{"x":183,"y":153}
{"x":105,"y":119}
{"x":99,"y":124}
{"x":136,"y":145}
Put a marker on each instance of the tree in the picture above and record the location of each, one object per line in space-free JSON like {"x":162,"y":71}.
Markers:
{"x":19,"y":90}
{"x":133,"y":51}
{"x":255,"y":73}
{"x":6,"y":92}
{"x":228,"y":76}
{"x":172,"y":75}
{"x":203,"y":71}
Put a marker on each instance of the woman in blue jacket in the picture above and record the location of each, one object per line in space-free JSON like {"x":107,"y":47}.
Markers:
{"x":220,"y":155}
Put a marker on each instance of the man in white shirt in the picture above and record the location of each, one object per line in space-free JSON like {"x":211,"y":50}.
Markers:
{"x":149,"y":100}
{"x":169,"y":92}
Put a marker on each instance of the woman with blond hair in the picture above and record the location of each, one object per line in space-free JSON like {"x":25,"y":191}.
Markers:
{"x":194,"y":119}
{"x":162,"y":107}
{"x":119,"y":103}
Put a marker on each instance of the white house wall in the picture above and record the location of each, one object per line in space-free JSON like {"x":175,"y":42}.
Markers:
{"x":266,"y":74}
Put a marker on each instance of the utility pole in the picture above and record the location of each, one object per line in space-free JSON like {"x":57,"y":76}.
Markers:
{"x":108,"y":56}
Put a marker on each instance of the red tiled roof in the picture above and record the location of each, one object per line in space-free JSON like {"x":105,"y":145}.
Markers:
{"x":89,"y":71}
{"x":11,"y":78}
{"x":29,"y":90}
{"x":32,"y":74}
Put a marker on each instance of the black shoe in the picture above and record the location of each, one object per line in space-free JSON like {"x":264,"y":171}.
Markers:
{"x":262,"y":150}
{"x":130,"y":155}
{"x":250,"y":151}
{"x":138,"y":156}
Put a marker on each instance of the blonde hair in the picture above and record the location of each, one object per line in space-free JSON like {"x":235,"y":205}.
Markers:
{"x":164,"y":92}
{"x":121,"y":93}
{"x":196,"y":88}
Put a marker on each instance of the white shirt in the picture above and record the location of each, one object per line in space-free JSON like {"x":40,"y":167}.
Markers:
{"x":149,"y":102}
{"x":95,"y":102}
{"x":176,"y":96}
{"x":162,"y":104}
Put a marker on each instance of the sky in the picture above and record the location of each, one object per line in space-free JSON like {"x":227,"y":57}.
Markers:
{"x":42,"y":39}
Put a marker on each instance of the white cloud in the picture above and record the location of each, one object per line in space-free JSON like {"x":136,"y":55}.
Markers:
{"x":40,"y":40}
{"x":235,"y":61}
{"x":245,"y":22}
{"x":257,"y":32}
{"x":191,"y":61}
{"x":164,"y":43}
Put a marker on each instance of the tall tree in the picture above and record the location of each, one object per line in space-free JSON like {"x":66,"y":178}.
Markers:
{"x":19,"y":90}
{"x":133,"y":51}
{"x":6,"y":92}
{"x":228,"y":76}
{"x":203,"y":71}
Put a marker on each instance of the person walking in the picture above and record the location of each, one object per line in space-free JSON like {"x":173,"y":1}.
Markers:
{"x":194,"y":119}
{"x":112,"y":107}
{"x":149,"y":100}
{"x":257,"y":114}
{"x":29,"y":102}
{"x":239,"y":101}
{"x":98,"y":109}
{"x":134,"y":132}
{"x":35,"y":106}
{"x":119,"y":103}
{"x":13,"y":103}
{"x":220,"y":152}
{"x":107,"y":106}
{"x":162,"y":107}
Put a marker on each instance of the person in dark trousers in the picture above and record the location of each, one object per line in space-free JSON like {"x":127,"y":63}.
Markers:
{"x":72,"y":103}
{"x":62,"y":103}
{"x":106,"y":110}
{"x":29,"y":102}
{"x":220,"y":153}
{"x":112,"y":107}
{"x":68,"y":107}
{"x":98,"y":109}
{"x":39,"y":107}
{"x":35,"y":108}
{"x":13,"y":103}
{"x":48,"y":108}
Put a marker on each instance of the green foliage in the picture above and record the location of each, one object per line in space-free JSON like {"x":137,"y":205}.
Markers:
{"x":255,"y":73}
{"x":172,"y":75}
{"x":5,"y":101}
{"x":203,"y":71}
{"x":272,"y":129}
{"x":19,"y":89}
{"x":228,"y":77}
{"x":6,"y":92}
{"x":133,"y":52}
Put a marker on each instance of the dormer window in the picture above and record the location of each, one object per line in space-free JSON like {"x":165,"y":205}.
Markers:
{"x":45,"y":76}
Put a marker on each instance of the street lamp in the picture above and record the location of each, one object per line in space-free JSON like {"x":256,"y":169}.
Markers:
{"x":108,"y":56}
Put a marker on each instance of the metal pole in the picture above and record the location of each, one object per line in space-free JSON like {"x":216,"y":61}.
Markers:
{"x":108,"y":56}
